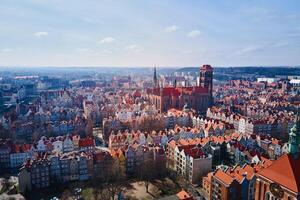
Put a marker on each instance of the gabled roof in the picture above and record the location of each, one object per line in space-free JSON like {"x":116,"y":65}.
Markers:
{"x":182,"y":195}
{"x":86,"y":142}
{"x":224,"y":177}
{"x":206,"y":67}
{"x":284,"y":171}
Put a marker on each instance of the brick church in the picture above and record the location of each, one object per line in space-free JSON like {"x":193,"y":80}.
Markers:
{"x":198,"y":98}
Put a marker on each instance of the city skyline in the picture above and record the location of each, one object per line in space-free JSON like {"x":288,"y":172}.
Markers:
{"x":135,"y":33}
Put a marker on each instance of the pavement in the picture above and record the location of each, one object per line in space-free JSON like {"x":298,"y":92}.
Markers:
{"x":195,"y":191}
{"x":14,"y":196}
{"x":139,"y":191}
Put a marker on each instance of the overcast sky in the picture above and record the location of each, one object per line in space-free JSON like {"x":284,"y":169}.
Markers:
{"x":149,"y":32}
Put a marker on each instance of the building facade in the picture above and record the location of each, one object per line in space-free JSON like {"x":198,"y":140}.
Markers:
{"x":198,"y":97}
{"x":282,"y":179}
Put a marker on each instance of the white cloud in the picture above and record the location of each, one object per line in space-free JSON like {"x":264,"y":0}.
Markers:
{"x":87,"y":51}
{"x":194,"y":33}
{"x":172,"y":28}
{"x":40,"y":34}
{"x":293,"y":35}
{"x":280,"y":44}
{"x":106,"y":51}
{"x":256,"y":11}
{"x":249,"y":49}
{"x":195,"y":51}
{"x":134,"y":48}
{"x":107,"y":40}
{"x":6,"y":50}
{"x":84,"y":50}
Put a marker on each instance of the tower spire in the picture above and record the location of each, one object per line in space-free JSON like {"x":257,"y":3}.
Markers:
{"x":155,"y":80}
{"x":294,"y":137}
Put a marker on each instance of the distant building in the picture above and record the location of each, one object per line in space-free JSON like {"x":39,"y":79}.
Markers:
{"x":88,"y":84}
{"x":24,"y":180}
{"x":30,"y":89}
{"x":55,"y":169}
{"x":195,"y":164}
{"x":40,"y":177}
{"x":282,"y":179}
{"x":198,"y":97}
{"x":268,"y":80}
{"x":295,"y":83}
{"x":4,"y":156}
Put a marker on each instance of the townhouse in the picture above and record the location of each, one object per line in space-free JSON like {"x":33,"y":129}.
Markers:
{"x":18,"y":156}
{"x":192,"y":163}
{"x":233,"y":182}
{"x":267,"y":121}
{"x":5,"y":150}
{"x":40,"y":173}
{"x":45,"y":169}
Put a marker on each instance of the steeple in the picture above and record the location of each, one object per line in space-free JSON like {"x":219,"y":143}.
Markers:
{"x":294,"y":137}
{"x":155,"y":81}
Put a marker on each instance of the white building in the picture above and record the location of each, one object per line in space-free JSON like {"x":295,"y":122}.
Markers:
{"x":295,"y":83}
{"x":268,"y":80}
{"x":191,"y":163}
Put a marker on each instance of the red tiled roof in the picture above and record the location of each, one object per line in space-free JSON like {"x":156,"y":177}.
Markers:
{"x":206,"y":67}
{"x":183,"y":195}
{"x":20,"y":148}
{"x":87,"y":142}
{"x":100,"y":155}
{"x":284,"y":171}
{"x":172,"y":91}
{"x":194,"y":152}
{"x":222,"y":176}
{"x":137,"y":94}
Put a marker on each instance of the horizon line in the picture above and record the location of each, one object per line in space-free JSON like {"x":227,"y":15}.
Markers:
{"x":165,"y":66}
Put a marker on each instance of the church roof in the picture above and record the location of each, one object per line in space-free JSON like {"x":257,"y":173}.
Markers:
{"x":206,"y":67}
{"x":284,"y":171}
{"x":172,"y":91}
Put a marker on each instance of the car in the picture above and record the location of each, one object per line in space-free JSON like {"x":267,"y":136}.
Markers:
{"x":77,"y":191}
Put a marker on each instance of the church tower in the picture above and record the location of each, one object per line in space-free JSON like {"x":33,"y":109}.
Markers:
{"x":294,"y":138}
{"x":206,"y":78}
{"x":155,"y":80}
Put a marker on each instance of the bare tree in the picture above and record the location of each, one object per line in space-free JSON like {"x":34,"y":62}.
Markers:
{"x":66,"y":195}
{"x":146,"y":172}
{"x":115,"y":181}
{"x":100,"y":193}
{"x":149,"y":124}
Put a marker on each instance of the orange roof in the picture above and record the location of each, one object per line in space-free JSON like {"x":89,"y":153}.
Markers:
{"x":208,"y":177}
{"x":284,"y":171}
{"x":182,"y":195}
{"x":265,"y":162}
{"x":250,"y":171}
{"x":222,"y":176}
{"x":183,"y":142}
{"x":172,"y":143}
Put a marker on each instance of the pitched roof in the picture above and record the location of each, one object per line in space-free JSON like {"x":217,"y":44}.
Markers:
{"x":224,"y":177}
{"x":86,"y":142}
{"x":284,"y":171}
{"x":182,"y":195}
{"x":206,"y":67}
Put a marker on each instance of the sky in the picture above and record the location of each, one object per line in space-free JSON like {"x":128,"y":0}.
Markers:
{"x":149,"y":32}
